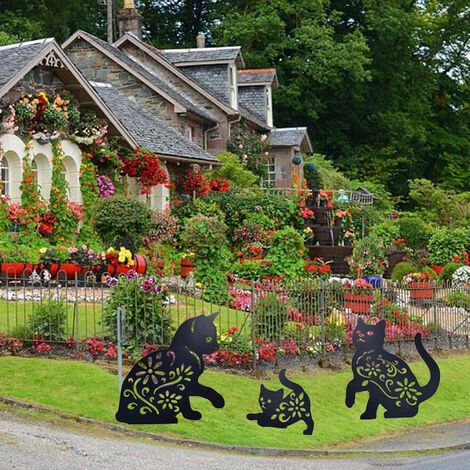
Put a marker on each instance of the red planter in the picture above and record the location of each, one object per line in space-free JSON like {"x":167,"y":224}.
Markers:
{"x":13,"y":270}
{"x":71,"y":270}
{"x":159,"y":267}
{"x":358,"y":303}
{"x":187,"y":267}
{"x":140,"y":266}
{"x":421,"y":289}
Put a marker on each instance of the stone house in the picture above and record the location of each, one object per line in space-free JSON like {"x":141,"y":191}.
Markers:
{"x":183,"y":104}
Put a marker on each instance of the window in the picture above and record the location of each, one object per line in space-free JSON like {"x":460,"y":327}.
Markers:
{"x":269,"y":107}
{"x":233,"y":87}
{"x":5,"y":176}
{"x":190,"y":133}
{"x":270,"y":180}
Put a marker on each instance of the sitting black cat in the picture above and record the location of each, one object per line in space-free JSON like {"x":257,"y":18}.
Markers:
{"x":281,"y":412}
{"x":386,"y":377}
{"x":158,"y":387}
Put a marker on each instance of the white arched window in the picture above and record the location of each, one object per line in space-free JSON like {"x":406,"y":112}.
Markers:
{"x":5,"y":176}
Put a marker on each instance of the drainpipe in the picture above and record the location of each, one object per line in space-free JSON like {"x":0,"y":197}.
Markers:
{"x":210,"y":129}
{"x":239,"y":118}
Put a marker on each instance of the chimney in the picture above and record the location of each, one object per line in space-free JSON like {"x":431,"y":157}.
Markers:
{"x":130,"y":20}
{"x":201,"y":41}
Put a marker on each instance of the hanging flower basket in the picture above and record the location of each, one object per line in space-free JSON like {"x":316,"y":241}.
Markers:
{"x":358,"y":303}
{"x":421,"y":289}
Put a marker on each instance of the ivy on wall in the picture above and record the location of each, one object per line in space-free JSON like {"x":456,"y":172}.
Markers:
{"x":65,"y":222}
{"x":31,"y":200}
{"x":4,"y":219}
{"x":89,"y":190}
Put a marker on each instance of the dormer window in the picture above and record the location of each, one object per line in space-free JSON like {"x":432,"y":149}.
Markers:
{"x":233,"y":87}
{"x":269,"y":107}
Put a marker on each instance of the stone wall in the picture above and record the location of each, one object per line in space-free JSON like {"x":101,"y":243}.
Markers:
{"x":216,"y":139}
{"x":97,"y":67}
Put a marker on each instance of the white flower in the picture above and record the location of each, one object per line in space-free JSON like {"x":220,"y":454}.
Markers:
{"x":461,"y":277}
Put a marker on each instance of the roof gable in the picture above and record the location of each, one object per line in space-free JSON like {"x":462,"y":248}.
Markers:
{"x":290,"y":137}
{"x":149,"y":132}
{"x":157,"y":56}
{"x":257,"y":77}
{"x":182,"y":102}
{"x":48,"y":53}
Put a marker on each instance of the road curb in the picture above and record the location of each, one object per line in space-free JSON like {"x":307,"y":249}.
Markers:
{"x":261,"y":451}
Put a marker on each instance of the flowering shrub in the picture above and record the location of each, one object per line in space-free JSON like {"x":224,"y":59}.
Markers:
{"x":94,"y":346}
{"x":221,"y":185}
{"x":266,"y":350}
{"x":145,"y":166}
{"x":39,"y":345}
{"x":461,"y":277}
{"x":194,"y":181}
{"x":317,"y":267}
{"x":463,"y":258}
{"x":147,"y":316}
{"x":11,"y":344}
{"x":417,"y":277}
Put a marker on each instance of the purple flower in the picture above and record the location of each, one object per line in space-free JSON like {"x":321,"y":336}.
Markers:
{"x":105,"y":186}
{"x":111,"y":281}
{"x":150,"y":285}
{"x":132,"y":275}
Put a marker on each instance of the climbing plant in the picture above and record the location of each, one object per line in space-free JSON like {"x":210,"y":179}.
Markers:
{"x":89,"y":190}
{"x":31,"y":200}
{"x":58,"y":197}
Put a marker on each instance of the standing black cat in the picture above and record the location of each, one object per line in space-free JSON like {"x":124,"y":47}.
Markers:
{"x":280,"y":412}
{"x":159,"y":386}
{"x":386,"y":377}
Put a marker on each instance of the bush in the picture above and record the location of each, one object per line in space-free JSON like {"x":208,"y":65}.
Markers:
{"x":286,"y":251}
{"x":146,"y":318}
{"x":48,"y":319}
{"x":233,"y":170}
{"x":415,"y":231}
{"x":449,"y":270}
{"x":387,"y":232}
{"x":402,"y":269}
{"x":271,"y":317}
{"x":368,"y":256}
{"x":458,"y":299}
{"x":447,"y":243}
{"x":122,"y":217}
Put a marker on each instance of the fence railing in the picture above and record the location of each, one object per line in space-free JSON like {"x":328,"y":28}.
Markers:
{"x":264,"y":321}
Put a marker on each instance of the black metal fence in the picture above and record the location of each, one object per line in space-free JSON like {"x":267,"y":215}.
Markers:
{"x":257,"y":322}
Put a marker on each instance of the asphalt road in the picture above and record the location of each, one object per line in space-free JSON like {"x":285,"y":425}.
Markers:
{"x":30,"y":444}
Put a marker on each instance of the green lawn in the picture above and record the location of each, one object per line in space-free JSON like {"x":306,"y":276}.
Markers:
{"x":88,"y":390}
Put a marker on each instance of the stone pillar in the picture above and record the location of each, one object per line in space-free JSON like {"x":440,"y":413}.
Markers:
{"x":130,"y":20}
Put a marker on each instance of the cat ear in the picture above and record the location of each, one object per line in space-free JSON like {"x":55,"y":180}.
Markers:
{"x":212,"y":317}
{"x":262,"y":388}
{"x":382,"y":324}
{"x":360,"y":322}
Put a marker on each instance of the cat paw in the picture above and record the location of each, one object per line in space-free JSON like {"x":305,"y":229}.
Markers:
{"x":218,"y":401}
{"x":368,"y":416}
{"x":192,"y":415}
{"x":252,"y":416}
{"x":349,"y":402}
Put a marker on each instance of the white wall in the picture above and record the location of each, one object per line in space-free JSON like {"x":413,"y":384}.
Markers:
{"x":14,"y":150}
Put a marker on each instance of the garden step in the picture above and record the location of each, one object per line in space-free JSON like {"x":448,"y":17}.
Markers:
{"x":326,"y":235}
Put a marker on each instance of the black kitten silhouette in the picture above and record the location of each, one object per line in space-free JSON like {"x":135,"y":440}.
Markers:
{"x":279,"y":411}
{"x":158,"y":387}
{"x":386,"y":377}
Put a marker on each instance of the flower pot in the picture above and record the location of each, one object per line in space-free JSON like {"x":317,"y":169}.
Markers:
{"x":358,"y":303}
{"x":421,"y":289}
{"x":13,"y":270}
{"x":140,"y":267}
{"x":69,"y":271}
{"x":187,"y":267}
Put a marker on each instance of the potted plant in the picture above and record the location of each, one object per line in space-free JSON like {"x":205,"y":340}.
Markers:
{"x":187,"y":264}
{"x":83,"y":260}
{"x":163,"y":230}
{"x":119,"y":262}
{"x":359,"y":297}
{"x":51,"y":258}
{"x":421,"y":285}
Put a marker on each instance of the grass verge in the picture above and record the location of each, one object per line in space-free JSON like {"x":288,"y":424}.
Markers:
{"x":88,"y":390}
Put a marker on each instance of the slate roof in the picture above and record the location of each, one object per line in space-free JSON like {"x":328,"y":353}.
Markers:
{"x":288,"y":137}
{"x":152,"y":76}
{"x":206,"y":54}
{"x":149,"y":132}
{"x":253,"y":76}
{"x":16,"y":56}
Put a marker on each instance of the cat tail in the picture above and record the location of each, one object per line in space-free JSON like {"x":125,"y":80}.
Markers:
{"x":289,"y":384}
{"x":431,"y":387}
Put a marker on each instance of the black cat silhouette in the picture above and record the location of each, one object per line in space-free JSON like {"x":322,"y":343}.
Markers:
{"x":386,"y":377}
{"x":279,"y":411}
{"x":158,"y":387}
